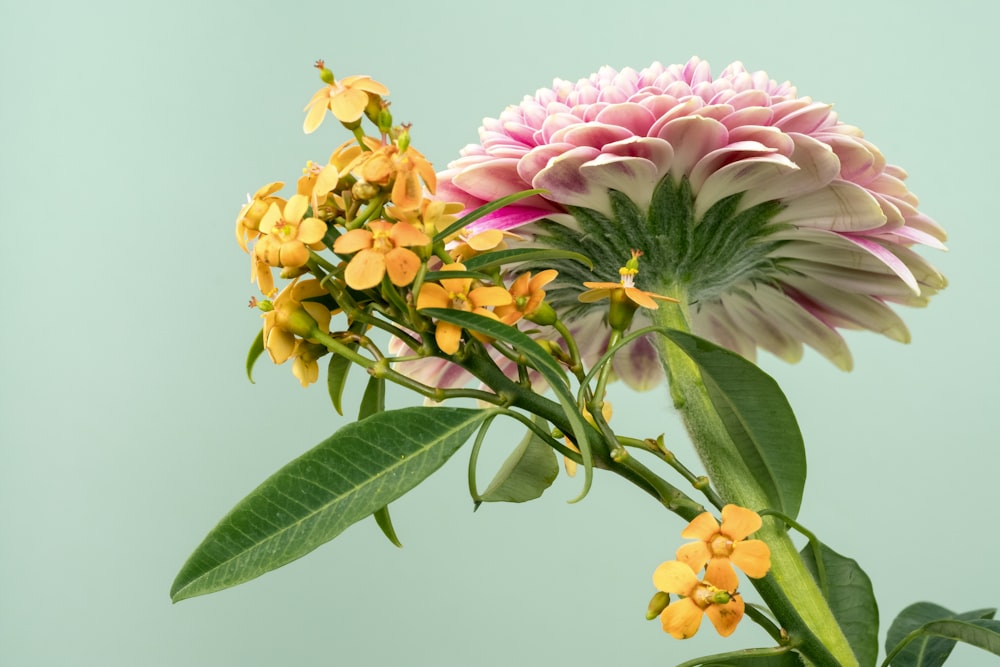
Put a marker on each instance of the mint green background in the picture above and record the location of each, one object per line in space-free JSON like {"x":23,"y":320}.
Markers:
{"x":130,"y":135}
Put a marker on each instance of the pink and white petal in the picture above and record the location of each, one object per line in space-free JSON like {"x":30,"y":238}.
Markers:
{"x":568,"y":186}
{"x":491,"y":180}
{"x":839,"y":207}
{"x":538,"y":158}
{"x":747,"y":176}
{"x":629,"y":115}
{"x":766,"y":331}
{"x":817,"y":167}
{"x":805,"y":326}
{"x":634,"y":177}
{"x":638,"y":365}
{"x":711,"y":321}
{"x":692,"y":138}
{"x":595,"y":135}
{"x":851,"y":310}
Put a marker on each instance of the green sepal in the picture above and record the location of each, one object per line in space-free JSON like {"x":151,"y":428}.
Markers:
{"x":848,"y":591}
{"x":483,"y":210}
{"x":498,"y":258}
{"x":526,"y":474}
{"x":256,"y":349}
{"x":357,"y":471}
{"x":924,"y":634}
{"x":756,"y":416}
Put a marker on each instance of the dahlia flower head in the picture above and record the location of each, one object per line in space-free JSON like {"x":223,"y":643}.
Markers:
{"x":776,"y":222}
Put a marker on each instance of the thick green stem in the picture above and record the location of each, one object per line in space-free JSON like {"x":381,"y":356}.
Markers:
{"x":789,"y":588}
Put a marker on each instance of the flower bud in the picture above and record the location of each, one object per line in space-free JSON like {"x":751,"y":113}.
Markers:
{"x":364,"y":191}
{"x":622,"y":310}
{"x":544,"y":314}
{"x":324,"y":74}
{"x":657,"y":604}
{"x":295,"y":320}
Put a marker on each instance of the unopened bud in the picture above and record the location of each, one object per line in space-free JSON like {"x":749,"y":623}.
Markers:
{"x":657,"y":604}
{"x":544,"y":314}
{"x":324,"y":74}
{"x":621,"y":311}
{"x":297,"y":321}
{"x":720,"y":597}
{"x":403,"y":141}
{"x":364,"y":191}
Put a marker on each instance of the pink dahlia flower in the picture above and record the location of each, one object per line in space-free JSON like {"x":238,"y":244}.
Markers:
{"x":775,"y":221}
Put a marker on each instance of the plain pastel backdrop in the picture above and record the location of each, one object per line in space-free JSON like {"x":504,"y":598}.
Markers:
{"x":129,"y":135}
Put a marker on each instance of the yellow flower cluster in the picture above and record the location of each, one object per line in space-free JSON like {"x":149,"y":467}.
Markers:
{"x":717,"y":549}
{"x":367,"y":204}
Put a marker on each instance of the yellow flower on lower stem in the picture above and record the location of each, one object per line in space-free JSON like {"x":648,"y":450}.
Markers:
{"x":346,"y":98}
{"x":389,"y":166}
{"x":528,"y":295}
{"x":626,"y":287}
{"x":459,"y":294}
{"x":381,"y":249}
{"x":721,"y":547}
{"x":304,"y":358}
{"x":681,"y":619}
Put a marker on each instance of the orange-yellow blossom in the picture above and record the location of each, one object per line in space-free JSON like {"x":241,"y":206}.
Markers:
{"x":346,"y":98}
{"x":432,"y":216}
{"x":288,"y":236}
{"x":381,"y":249}
{"x":459,"y":294}
{"x":527,"y":293}
{"x":292,"y":317}
{"x":721,"y":547}
{"x":682,"y":618}
{"x":248,"y":221}
{"x":388,"y":166}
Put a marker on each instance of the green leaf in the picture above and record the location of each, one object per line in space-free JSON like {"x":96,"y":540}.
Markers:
{"x":498,"y":258}
{"x":373,"y":400}
{"x":336,"y":377}
{"x":924,"y":634}
{"x":528,"y":471}
{"x":541,"y":361}
{"x":256,"y":349}
{"x":434,"y":276}
{"x":757,"y":417}
{"x":384,"y":522}
{"x":358,"y":470}
{"x":849,"y":592}
{"x":483,"y":210}
{"x":756,"y":657}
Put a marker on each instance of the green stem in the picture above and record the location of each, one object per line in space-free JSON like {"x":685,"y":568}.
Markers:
{"x":789,"y":588}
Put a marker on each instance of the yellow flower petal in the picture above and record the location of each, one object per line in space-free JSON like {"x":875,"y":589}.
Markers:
{"x":674,"y":577}
{"x":272,"y":216}
{"x":489,"y":296}
{"x":448,"y":336}
{"x":406,"y":191}
{"x":311,"y":230}
{"x":703,"y":527}
{"x":365,"y":269}
{"x":353,"y":241}
{"x":725,"y":617}
{"x":402,"y":265}
{"x":348,"y":105}
{"x":317,"y":112}
{"x":433,"y":296}
{"x":293,"y":255}
{"x":295,"y":208}
{"x":405,"y":234}
{"x":279,"y":344}
{"x":721,"y":574}
{"x":681,"y":619}
{"x":752,"y":556}
{"x":738,"y":522}
{"x":641,"y":298}
{"x":694,"y":554}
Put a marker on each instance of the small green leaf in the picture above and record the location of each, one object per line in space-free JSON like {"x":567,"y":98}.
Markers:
{"x":913,"y":642}
{"x":848,"y":590}
{"x":528,"y":471}
{"x":779,"y":656}
{"x":373,"y":400}
{"x":757,"y":417}
{"x":541,"y":361}
{"x":498,"y":258}
{"x":384,"y":522}
{"x":355,"y":472}
{"x":256,"y":349}
{"x":336,"y":377}
{"x":485,"y":209}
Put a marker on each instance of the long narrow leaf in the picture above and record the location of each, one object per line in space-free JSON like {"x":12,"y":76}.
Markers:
{"x":498,"y":258}
{"x":358,"y":470}
{"x":485,"y":209}
{"x":256,"y":349}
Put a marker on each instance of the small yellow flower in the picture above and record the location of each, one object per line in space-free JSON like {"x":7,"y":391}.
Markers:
{"x":304,"y":358}
{"x":389,"y":166}
{"x":528,"y":295}
{"x":459,"y":294}
{"x":626,"y":287}
{"x":288,"y":235}
{"x":345,"y":98}
{"x":683,"y":618}
{"x":432,"y":216}
{"x":292,"y":316}
{"x":721,"y":547}
{"x":248,"y":221}
{"x":381,"y":249}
